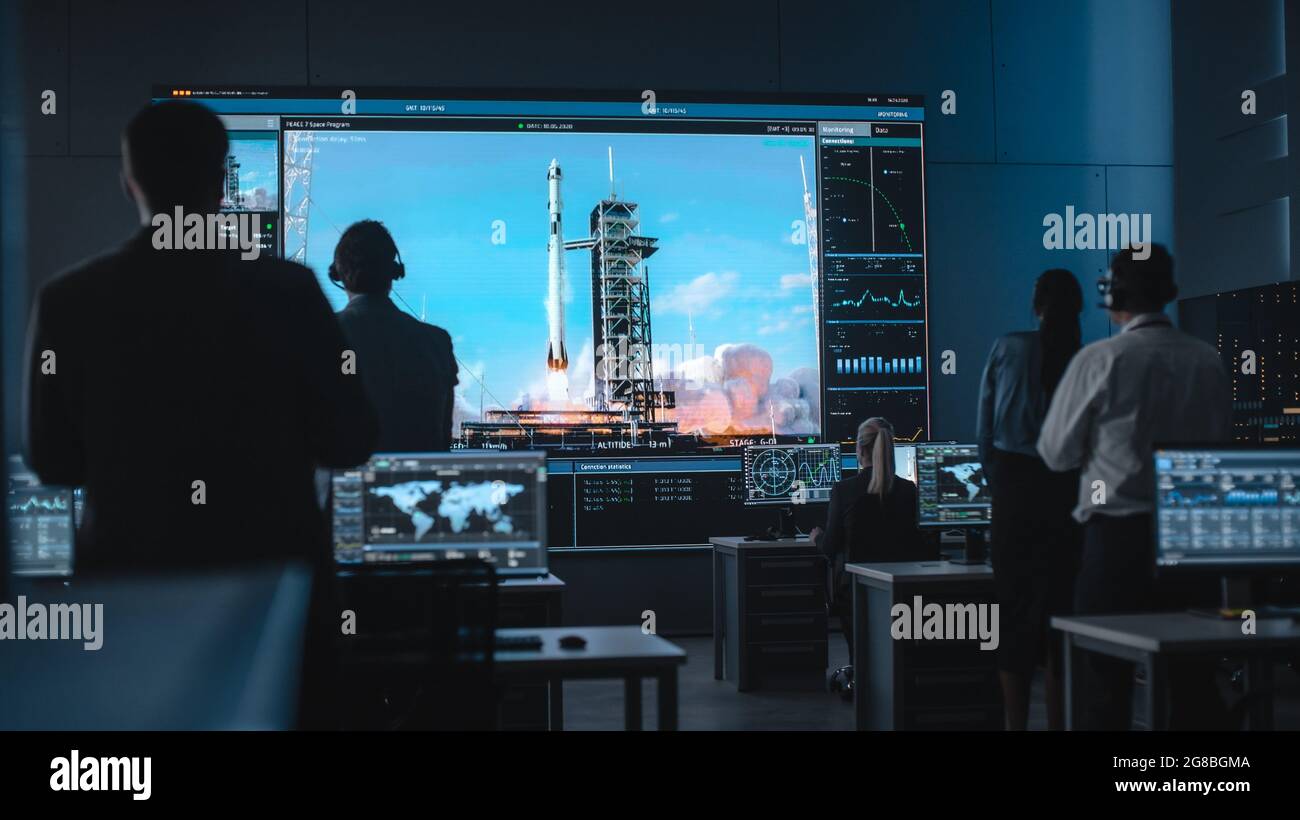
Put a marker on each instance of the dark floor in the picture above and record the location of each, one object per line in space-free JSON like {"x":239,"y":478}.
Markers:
{"x":708,"y":704}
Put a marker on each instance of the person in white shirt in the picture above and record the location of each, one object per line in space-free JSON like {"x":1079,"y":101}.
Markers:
{"x":1150,"y":383}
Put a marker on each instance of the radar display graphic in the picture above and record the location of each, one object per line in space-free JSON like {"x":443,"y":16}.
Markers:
{"x":791,"y":474}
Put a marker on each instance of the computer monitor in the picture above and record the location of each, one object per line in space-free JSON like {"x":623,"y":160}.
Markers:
{"x":952,"y":490}
{"x":1226,"y":508}
{"x":413,"y":508}
{"x":782,"y":474}
{"x":905,"y":461}
{"x":42,"y":528}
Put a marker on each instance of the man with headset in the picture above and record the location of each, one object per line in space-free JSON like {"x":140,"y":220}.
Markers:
{"x":406,"y":366}
{"x":1150,"y":383}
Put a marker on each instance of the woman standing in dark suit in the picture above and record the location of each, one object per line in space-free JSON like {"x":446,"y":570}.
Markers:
{"x":1036,"y":542}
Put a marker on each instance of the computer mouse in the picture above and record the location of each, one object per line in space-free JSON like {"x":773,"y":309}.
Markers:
{"x":573,"y":642}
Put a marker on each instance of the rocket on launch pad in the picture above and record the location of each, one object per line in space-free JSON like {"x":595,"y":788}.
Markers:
{"x":557,"y":358}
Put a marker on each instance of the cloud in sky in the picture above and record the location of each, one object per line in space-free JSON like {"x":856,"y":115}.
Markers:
{"x":671,"y":216}
{"x":700,"y":295}
{"x":781,"y":324}
{"x":791,"y":281}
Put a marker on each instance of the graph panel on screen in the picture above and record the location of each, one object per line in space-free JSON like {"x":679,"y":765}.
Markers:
{"x":623,"y":282}
{"x":875,"y":351}
{"x":1227,"y":508}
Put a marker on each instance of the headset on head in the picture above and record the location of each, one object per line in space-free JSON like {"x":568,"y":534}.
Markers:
{"x":1117,"y":292}
{"x":398,"y":272}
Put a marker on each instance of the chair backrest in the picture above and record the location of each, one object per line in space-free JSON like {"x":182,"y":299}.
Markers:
{"x":884,"y":530}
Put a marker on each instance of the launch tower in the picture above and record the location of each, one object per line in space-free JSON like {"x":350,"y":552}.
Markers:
{"x":299,"y":149}
{"x":620,"y":308}
{"x":232,"y":182}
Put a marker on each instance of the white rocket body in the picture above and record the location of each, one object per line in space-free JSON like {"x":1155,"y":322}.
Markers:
{"x":557,"y":358}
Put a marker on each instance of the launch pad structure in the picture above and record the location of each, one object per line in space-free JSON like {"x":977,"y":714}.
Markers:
{"x":620,"y":310}
{"x":587,"y":430}
{"x":233,"y":198}
{"x":625,"y":403}
{"x":299,"y":149}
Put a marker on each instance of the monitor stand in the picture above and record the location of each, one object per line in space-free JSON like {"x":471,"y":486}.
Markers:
{"x":1234,"y":597}
{"x":782,"y":528}
{"x":976,"y":550}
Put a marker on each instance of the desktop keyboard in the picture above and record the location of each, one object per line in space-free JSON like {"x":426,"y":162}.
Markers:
{"x":519,"y":643}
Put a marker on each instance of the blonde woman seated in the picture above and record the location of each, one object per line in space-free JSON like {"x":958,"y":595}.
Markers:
{"x":872,"y":518}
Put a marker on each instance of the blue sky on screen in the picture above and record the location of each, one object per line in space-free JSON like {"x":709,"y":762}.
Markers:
{"x":721,"y":207}
{"x":258,"y":167}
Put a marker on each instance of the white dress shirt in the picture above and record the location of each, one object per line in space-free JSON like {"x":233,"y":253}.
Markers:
{"x":1149,"y":384}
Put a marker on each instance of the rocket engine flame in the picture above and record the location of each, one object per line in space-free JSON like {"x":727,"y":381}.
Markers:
{"x":557,"y":387}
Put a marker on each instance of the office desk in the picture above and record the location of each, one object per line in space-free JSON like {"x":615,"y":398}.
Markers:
{"x":191,"y":652}
{"x":920,"y":684}
{"x":769,"y":612}
{"x":611,"y":652}
{"x":389,"y":599}
{"x":531,"y":602}
{"x":1152,"y":640}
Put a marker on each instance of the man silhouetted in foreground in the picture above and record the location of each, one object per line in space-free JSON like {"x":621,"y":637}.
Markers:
{"x":190,"y":391}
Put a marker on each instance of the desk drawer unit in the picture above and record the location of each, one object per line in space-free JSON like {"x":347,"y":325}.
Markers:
{"x":806,"y":626}
{"x":786,"y":570}
{"x":940,"y":681}
{"x":784,"y":659}
{"x":785,"y":642}
{"x":770,"y":614}
{"x":787,"y":599}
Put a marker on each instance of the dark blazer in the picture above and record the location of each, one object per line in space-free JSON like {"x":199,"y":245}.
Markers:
{"x":178,"y":366}
{"x":861,"y":527}
{"x":409,"y":372}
